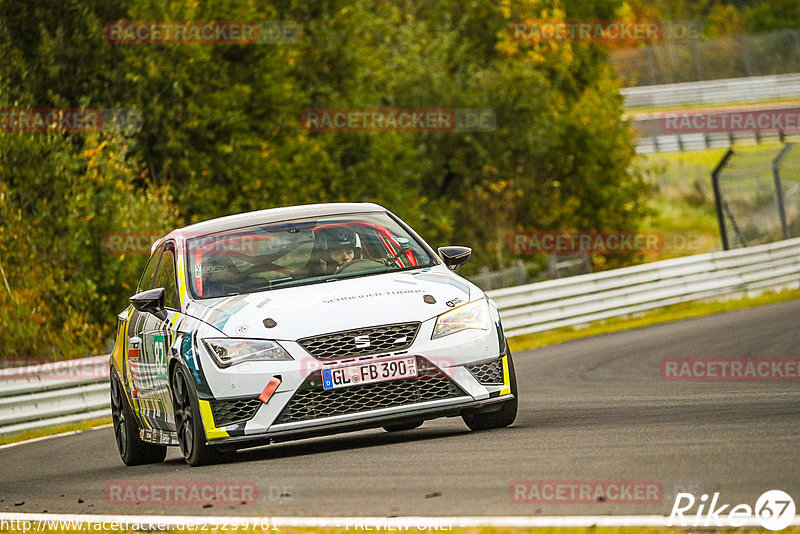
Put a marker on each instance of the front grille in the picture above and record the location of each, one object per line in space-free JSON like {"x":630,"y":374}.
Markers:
{"x":488,"y":373}
{"x":313,"y":402}
{"x":361,"y":341}
{"x":227,"y":411}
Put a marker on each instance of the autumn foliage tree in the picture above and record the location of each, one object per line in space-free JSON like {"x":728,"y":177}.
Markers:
{"x":221,"y":133}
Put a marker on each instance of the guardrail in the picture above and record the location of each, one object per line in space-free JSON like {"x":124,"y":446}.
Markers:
{"x":653,"y":136}
{"x":700,"y":141}
{"x":52,"y":394}
{"x":581,"y":299}
{"x":713,"y":91}
{"x":41,"y":396}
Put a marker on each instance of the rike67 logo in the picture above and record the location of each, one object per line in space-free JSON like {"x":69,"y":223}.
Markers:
{"x":774,"y":510}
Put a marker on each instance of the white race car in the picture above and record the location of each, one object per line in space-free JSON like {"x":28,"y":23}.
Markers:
{"x":295,"y":322}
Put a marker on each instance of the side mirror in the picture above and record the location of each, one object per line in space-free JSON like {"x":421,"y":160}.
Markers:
{"x":150,"y":301}
{"x":454,"y":257}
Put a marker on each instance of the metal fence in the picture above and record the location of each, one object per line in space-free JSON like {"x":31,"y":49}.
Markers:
{"x":558,"y":266}
{"x":757,"y":196}
{"x":31,"y":398}
{"x":740,"y":56}
{"x":517,"y":274}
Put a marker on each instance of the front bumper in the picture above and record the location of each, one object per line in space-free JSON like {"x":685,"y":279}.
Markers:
{"x":453,"y":355}
{"x":363,"y":421}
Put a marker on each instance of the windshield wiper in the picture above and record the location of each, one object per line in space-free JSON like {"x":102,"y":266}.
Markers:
{"x":270,"y":285}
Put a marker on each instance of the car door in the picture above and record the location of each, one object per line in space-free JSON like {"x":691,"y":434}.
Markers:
{"x":150,"y":339}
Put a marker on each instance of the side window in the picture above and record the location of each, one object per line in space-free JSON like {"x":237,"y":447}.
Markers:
{"x":166,"y":278}
{"x":146,"y":282}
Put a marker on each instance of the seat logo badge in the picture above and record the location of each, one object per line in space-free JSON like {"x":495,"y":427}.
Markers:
{"x":453,"y":303}
{"x":362,"y":342}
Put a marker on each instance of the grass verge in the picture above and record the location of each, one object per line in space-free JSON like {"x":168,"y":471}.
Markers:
{"x":768,"y":102}
{"x":662,"y":315}
{"x":60,"y":429}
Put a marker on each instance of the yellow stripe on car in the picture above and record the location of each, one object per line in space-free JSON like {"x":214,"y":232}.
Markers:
{"x":181,"y":280}
{"x":506,"y":389}
{"x":117,"y":353}
{"x":207,"y":417}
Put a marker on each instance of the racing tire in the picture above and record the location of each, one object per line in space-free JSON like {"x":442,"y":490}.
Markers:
{"x":189,"y":425}
{"x":498,"y":418}
{"x":399,"y":427}
{"x":131,"y":448}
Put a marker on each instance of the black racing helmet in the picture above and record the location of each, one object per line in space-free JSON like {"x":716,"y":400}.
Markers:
{"x":342,"y":238}
{"x":339,"y":238}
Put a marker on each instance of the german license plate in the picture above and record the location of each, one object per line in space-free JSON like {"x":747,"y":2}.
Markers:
{"x":365,"y":373}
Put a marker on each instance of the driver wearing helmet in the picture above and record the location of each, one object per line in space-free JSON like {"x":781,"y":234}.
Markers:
{"x":343,"y":246}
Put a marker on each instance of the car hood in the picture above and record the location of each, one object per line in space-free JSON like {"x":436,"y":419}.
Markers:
{"x":314,"y":309}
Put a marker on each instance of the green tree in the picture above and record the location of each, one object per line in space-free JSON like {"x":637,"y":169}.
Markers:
{"x":222,"y":133}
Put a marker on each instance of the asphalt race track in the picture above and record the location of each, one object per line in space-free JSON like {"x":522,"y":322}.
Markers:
{"x":594,"y":409}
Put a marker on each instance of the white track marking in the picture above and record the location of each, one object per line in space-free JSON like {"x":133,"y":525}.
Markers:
{"x":355,"y":523}
{"x":43,"y":438}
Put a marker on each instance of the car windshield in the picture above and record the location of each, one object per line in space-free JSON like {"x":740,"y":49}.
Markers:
{"x":298,"y":252}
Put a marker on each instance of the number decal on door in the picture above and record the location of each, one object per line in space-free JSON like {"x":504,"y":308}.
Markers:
{"x":160,"y":353}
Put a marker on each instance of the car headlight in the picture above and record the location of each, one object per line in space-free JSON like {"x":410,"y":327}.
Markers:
{"x":474,"y":315}
{"x":228,"y":351}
